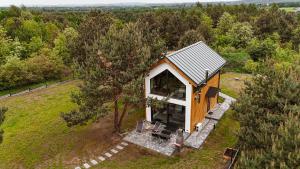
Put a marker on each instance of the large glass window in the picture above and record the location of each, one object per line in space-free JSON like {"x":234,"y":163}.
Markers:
{"x":170,"y":114}
{"x":166,"y":84}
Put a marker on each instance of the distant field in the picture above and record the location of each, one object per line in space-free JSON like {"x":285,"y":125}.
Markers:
{"x":289,"y":9}
{"x":36,"y":137}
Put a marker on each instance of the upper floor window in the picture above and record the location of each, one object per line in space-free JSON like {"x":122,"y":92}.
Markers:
{"x":166,"y":84}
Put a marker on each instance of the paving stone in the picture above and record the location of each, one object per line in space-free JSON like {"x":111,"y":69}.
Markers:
{"x":108,"y":155}
{"x":114,"y":151}
{"x":94,"y":162}
{"x":101,"y":158}
{"x":86,"y":165}
{"x":77,"y":168}
{"x":124,"y":144}
{"x":120,"y":147}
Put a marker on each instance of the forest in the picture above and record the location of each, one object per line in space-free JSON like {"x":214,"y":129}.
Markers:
{"x":111,"y":51}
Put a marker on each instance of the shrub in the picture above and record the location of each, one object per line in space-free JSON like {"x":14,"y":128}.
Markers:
{"x":235,"y":61}
{"x":251,"y":66}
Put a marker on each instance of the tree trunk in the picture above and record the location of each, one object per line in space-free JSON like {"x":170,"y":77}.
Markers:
{"x":116,"y":116}
{"x":122,"y":116}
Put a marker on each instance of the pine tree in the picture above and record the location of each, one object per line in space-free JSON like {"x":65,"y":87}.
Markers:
{"x":266,"y":134}
{"x":113,"y":69}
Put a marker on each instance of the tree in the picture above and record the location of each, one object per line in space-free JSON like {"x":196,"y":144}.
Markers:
{"x":35,"y":44}
{"x":2,"y":112}
{"x":296,"y":38}
{"x":275,"y":20}
{"x":262,"y":108}
{"x":225,"y":23}
{"x":5,"y":44}
{"x":63,"y":44}
{"x":261,"y":49}
{"x":95,"y":26}
{"x":117,"y":66}
{"x":29,"y":29}
{"x":241,"y":34}
{"x":285,"y":148}
{"x":190,"y":37}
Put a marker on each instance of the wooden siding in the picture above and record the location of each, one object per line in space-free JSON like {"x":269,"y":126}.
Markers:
{"x":199,"y":109}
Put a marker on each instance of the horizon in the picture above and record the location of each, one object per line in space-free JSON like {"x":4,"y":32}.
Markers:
{"x":40,"y":3}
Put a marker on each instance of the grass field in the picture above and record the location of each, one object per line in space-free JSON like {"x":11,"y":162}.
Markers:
{"x":36,"y":137}
{"x":288,"y":9}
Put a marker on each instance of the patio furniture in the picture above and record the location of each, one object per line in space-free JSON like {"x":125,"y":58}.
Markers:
{"x":140,"y":126}
{"x":156,"y":126}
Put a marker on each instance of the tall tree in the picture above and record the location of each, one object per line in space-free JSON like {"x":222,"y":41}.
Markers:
{"x":114,"y":72}
{"x":262,"y":108}
{"x":2,"y":112}
{"x":190,"y":37}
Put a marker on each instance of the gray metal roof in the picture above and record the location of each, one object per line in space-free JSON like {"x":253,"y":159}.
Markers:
{"x":195,"y":59}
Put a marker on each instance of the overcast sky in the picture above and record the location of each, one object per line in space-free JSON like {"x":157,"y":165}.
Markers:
{"x":87,"y":2}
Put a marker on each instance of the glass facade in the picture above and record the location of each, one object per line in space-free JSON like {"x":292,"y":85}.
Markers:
{"x":170,"y":114}
{"x":166,"y":84}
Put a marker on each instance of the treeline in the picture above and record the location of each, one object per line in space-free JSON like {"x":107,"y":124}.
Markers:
{"x":34,"y":46}
{"x":243,"y":34}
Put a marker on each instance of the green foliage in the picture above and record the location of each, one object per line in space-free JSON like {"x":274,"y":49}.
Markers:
{"x":241,"y":34}
{"x":35,"y":44}
{"x":63,"y":44}
{"x":114,"y":69}
{"x":2,"y":112}
{"x":261,"y":109}
{"x":235,"y":60}
{"x":225,"y":23}
{"x":251,"y":66}
{"x":190,"y":37}
{"x":284,"y":151}
{"x":29,"y":29}
{"x":42,"y":66}
{"x":260,"y":50}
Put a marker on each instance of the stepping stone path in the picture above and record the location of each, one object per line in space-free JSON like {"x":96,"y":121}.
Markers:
{"x":101,"y":158}
{"x":120,"y":147}
{"x":108,"y":155}
{"x":114,"y":151}
{"x":94,"y":162}
{"x":86,"y":165}
{"x":124,"y":144}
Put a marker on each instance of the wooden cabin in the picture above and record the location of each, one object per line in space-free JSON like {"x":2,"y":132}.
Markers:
{"x":189,"y":81}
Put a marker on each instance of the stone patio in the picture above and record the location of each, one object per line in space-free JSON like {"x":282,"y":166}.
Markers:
{"x":197,"y":138}
{"x":194,"y":140}
{"x":145,"y":139}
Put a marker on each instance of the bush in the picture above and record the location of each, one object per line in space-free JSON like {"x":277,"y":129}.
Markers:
{"x":235,"y":61}
{"x":40,"y":67}
{"x":251,"y":66}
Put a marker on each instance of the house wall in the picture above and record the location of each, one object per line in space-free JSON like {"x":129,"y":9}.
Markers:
{"x":162,"y":66}
{"x":199,"y":109}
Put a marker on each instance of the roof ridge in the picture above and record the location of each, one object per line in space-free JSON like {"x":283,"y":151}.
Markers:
{"x":183,"y":49}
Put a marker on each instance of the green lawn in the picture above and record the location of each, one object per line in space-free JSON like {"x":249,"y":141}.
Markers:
{"x":33,"y":129}
{"x":210,"y":156}
{"x":36,"y":136}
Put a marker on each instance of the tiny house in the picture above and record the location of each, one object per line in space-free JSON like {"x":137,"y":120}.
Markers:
{"x":189,"y":81}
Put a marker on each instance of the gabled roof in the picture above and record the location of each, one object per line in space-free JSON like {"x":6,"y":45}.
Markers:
{"x":195,"y":59}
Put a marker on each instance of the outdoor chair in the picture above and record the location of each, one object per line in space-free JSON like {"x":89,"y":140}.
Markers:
{"x":156,"y":127}
{"x":140,"y":126}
